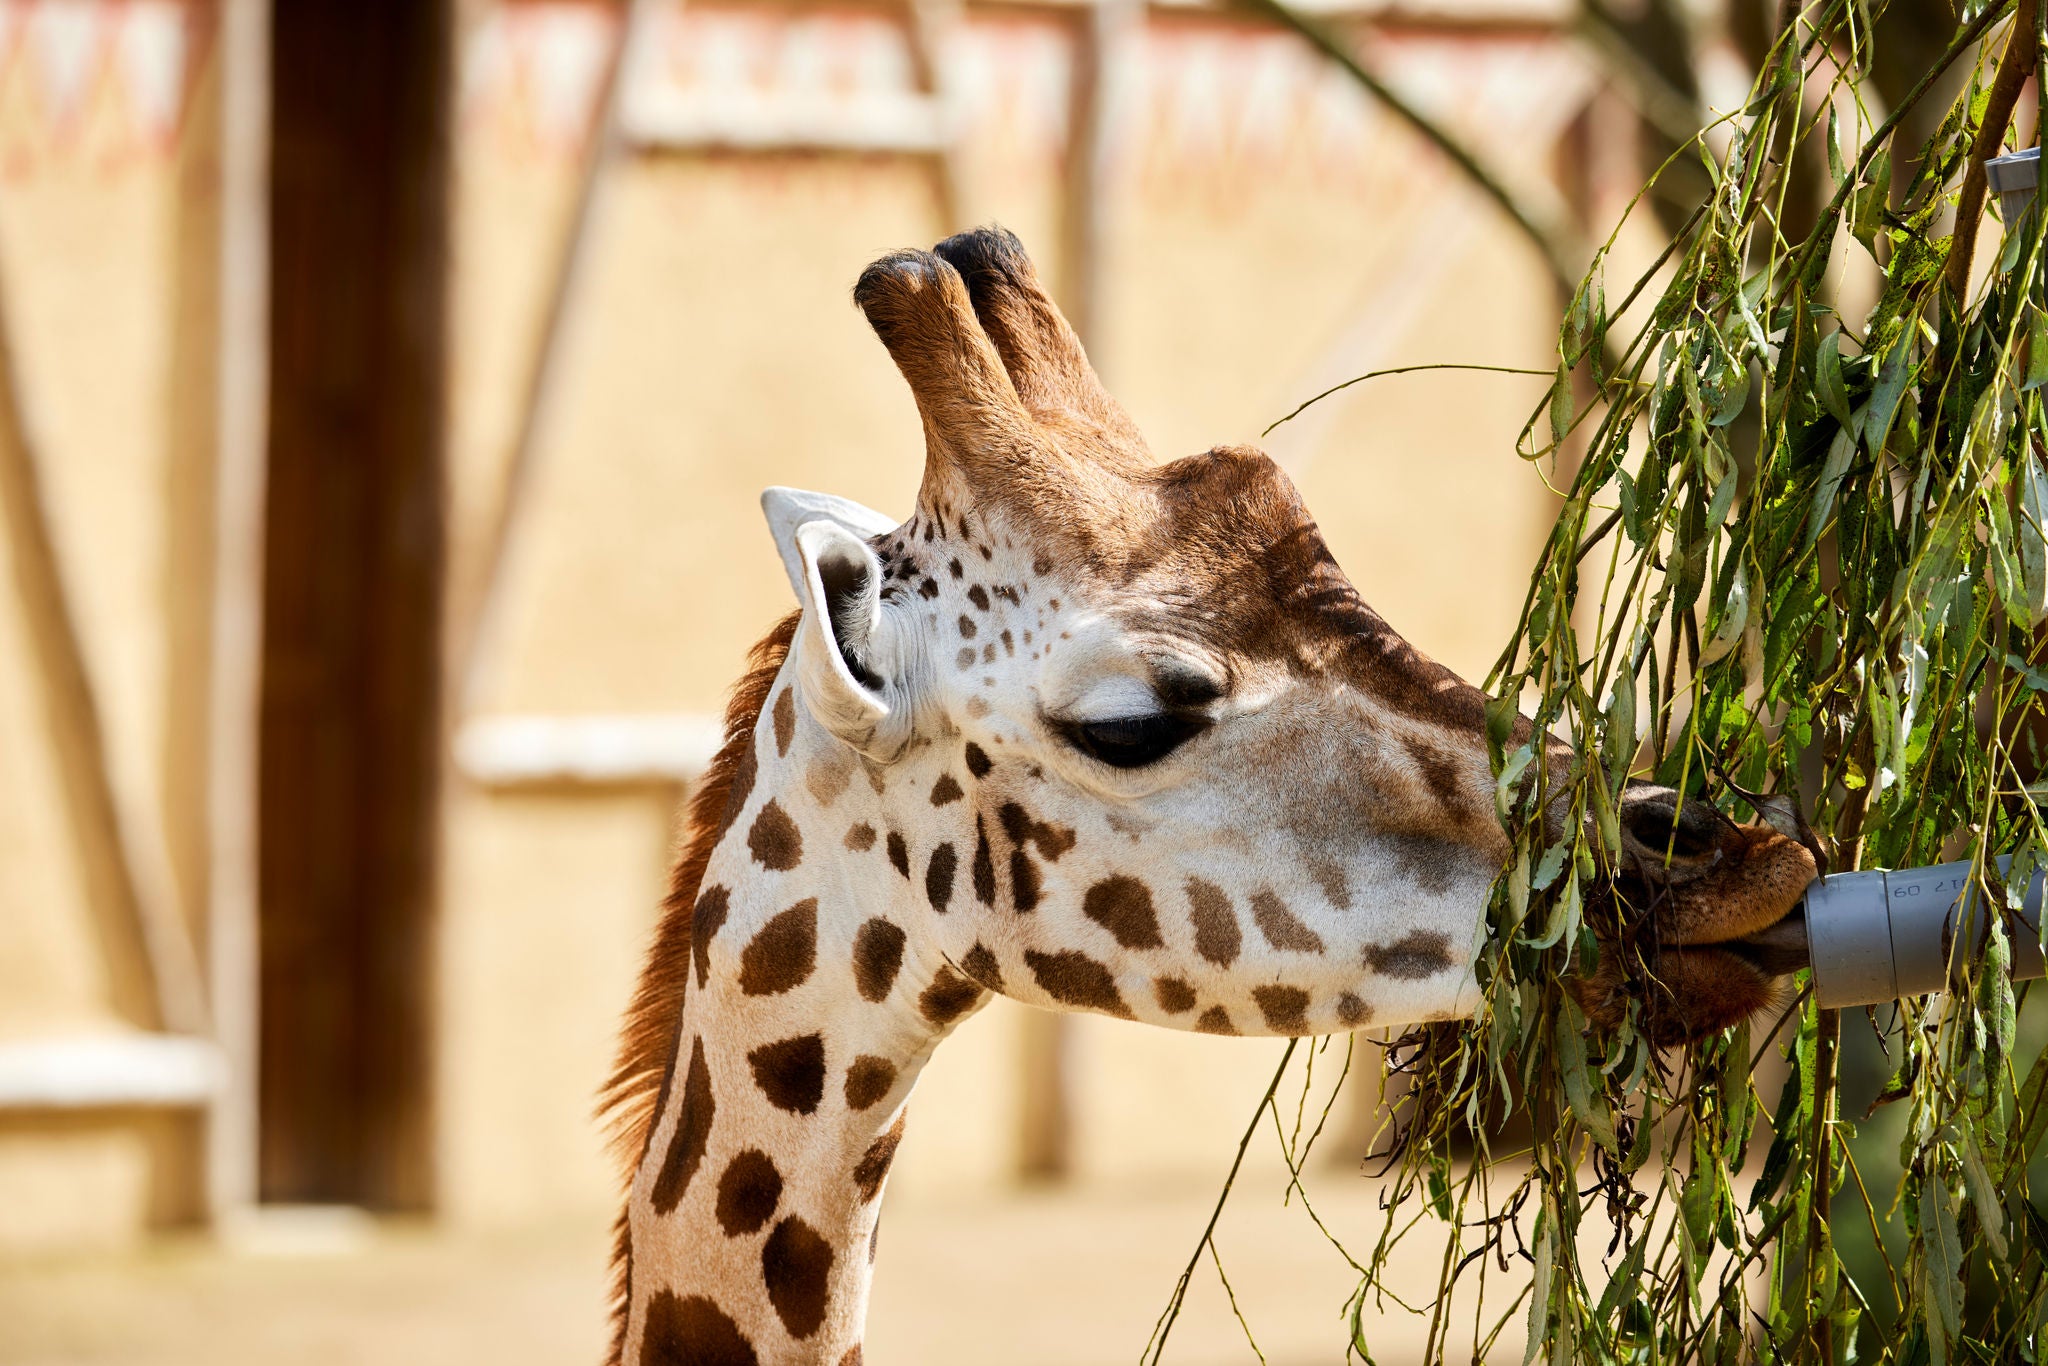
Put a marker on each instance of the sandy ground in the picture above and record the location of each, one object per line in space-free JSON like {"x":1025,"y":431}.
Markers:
{"x":1074,"y":1277}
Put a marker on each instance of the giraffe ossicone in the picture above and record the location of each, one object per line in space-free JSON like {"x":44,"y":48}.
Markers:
{"x":1087,"y":731}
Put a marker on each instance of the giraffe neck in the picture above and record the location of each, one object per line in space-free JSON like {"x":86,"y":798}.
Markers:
{"x":808,"y":1015}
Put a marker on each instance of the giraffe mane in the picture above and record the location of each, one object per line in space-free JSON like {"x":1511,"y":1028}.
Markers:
{"x":630,"y":1099}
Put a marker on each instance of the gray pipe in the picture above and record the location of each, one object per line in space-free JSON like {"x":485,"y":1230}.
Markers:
{"x":1877,"y":936}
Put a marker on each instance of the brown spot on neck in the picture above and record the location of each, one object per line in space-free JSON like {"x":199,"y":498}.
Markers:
{"x":785,"y":721}
{"x":692,"y":1134}
{"x":690,"y":1328}
{"x":1074,"y":979}
{"x":796,"y":1264}
{"x":781,"y":956}
{"x":774,"y":840}
{"x":791,"y":1072}
{"x":877,"y":958}
{"x":873,"y":1166}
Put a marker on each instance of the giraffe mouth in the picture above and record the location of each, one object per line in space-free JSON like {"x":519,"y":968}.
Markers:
{"x":1777,"y":950}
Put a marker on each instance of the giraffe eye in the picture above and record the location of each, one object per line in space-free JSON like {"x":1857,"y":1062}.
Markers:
{"x":1135,"y":741}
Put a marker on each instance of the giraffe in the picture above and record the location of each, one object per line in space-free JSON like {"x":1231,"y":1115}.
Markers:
{"x":1090,"y":732}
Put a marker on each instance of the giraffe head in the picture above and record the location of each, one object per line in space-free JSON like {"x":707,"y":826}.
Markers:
{"x":1088,"y":731}
{"x":1190,"y":777}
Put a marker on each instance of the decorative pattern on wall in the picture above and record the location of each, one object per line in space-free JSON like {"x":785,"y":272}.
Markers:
{"x":98,"y":83}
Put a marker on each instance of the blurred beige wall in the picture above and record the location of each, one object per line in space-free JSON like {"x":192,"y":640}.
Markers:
{"x":1270,"y":233}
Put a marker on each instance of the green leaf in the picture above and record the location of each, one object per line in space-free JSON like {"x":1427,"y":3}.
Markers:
{"x":1841,"y":454}
{"x":1589,"y":1104}
{"x":1828,"y":381}
{"x":2037,"y":349}
{"x":1561,"y":411}
{"x":1943,"y":1271}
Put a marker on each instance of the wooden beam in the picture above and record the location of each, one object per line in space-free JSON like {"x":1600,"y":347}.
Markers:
{"x":477,"y":620}
{"x":235,"y":626}
{"x":120,"y":848}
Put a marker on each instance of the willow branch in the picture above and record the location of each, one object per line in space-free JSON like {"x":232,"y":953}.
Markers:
{"x":2013,"y":70}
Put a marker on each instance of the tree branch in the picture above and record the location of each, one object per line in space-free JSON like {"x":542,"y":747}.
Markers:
{"x":2013,"y":70}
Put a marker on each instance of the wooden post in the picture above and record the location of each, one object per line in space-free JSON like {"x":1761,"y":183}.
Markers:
{"x":235,"y":625}
{"x":351,"y":734}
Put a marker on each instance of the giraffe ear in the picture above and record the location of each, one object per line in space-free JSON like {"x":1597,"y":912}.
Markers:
{"x":789,"y":509}
{"x":848,"y":664}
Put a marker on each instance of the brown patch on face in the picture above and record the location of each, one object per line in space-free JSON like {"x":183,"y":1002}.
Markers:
{"x":691,"y":1331}
{"x":978,"y":596}
{"x":1353,"y":1011}
{"x":938,"y":877}
{"x":1217,"y":935}
{"x":748,"y":1193}
{"x":785,"y":721}
{"x":967,"y":627}
{"x":1123,"y":906}
{"x":978,"y":762}
{"x":1414,"y":956}
{"x":868,"y":1080}
{"x":796,"y":1264}
{"x":791,"y":1072}
{"x":1050,"y":840}
{"x":829,"y":775}
{"x":1443,"y":777}
{"x":1075,"y":979}
{"x":877,"y":957}
{"x":874,"y":1163}
{"x":774,"y":840}
{"x":861,"y":838}
{"x":945,"y":790}
{"x":781,"y":956}
{"x":981,"y":965}
{"x":1175,"y":997}
{"x":948,"y":997}
{"x":1214,"y":1020}
{"x":1285,"y":1008}
{"x":1330,"y":877}
{"x":977,"y":707}
{"x":1023,"y":881}
{"x":1280,"y":926}
{"x":704,"y":923}
{"x":693,"y":1132}
{"x":899,"y":853}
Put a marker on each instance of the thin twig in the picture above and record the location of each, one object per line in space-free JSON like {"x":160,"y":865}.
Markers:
{"x":1306,"y":404}
{"x":1156,"y":1344}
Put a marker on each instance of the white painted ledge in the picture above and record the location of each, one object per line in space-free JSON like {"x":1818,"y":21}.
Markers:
{"x":587,"y":751}
{"x":108,"y":1071}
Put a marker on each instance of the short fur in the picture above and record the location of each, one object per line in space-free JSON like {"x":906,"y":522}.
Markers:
{"x":631,"y":1099}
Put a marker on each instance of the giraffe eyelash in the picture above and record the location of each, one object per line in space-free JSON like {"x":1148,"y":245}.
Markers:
{"x":1134,"y":741}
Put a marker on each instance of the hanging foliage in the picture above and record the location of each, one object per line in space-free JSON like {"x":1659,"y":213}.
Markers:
{"x":1799,"y":572}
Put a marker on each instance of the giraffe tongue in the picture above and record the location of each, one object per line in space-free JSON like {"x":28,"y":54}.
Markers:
{"x":1778,"y":949}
